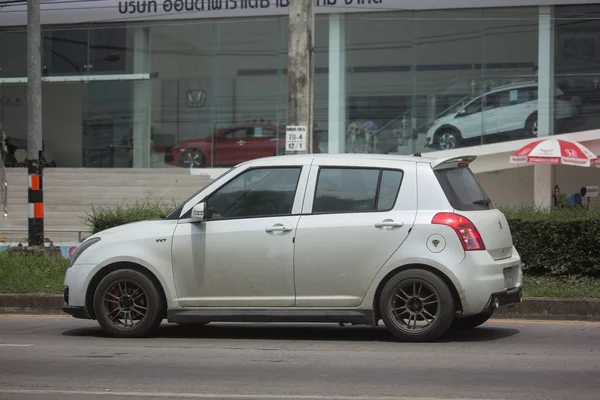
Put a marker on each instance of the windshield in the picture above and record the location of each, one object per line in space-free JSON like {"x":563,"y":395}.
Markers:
{"x":456,"y":107}
{"x":177,"y":212}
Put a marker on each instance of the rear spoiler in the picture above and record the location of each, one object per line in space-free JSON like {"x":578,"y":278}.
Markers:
{"x":452,"y":162}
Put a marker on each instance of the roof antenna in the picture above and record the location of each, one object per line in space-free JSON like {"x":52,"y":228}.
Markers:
{"x":418,"y":153}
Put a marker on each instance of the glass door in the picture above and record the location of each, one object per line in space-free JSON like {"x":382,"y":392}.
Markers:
{"x":108,"y":124}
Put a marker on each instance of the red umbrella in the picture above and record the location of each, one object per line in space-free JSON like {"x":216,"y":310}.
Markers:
{"x":555,"y":151}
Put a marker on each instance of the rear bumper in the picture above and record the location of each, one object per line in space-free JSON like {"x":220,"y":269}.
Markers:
{"x":505,"y":299}
{"x":483,"y":281}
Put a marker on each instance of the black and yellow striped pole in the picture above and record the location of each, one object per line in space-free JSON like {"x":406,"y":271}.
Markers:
{"x":35,"y":198}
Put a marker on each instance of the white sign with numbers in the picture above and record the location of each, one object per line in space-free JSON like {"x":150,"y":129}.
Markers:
{"x":295,"y":138}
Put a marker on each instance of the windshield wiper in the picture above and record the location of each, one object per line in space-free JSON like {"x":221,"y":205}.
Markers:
{"x":483,"y":202}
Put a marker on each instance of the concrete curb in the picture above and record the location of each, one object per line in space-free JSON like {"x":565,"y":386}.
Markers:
{"x":32,"y":304}
{"x":553,"y":308}
{"x":531,"y":307}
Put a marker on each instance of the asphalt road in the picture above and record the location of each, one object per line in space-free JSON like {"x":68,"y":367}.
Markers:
{"x":53,"y":358}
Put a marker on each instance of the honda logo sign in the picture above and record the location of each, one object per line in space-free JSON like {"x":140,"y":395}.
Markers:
{"x":196,"y":98}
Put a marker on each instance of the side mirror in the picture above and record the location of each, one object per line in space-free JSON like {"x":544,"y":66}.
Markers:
{"x":199,"y":213}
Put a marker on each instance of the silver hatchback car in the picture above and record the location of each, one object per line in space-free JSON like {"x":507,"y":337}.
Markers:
{"x":350,"y":238}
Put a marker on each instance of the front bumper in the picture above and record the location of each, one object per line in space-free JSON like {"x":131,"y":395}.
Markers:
{"x":171,"y":157}
{"x":76,"y":312}
{"x":76,"y":281}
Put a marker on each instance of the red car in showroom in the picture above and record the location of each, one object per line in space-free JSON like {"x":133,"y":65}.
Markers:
{"x":232,"y":145}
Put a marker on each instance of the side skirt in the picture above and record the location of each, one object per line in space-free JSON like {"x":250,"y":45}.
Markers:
{"x":313,"y":315}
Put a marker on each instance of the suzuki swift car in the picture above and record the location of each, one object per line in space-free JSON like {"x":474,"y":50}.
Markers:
{"x":349,"y":238}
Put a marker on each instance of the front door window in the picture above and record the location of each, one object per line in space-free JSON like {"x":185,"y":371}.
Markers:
{"x":259,"y":192}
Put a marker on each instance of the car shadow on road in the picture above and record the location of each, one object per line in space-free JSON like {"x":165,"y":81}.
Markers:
{"x":318,"y":332}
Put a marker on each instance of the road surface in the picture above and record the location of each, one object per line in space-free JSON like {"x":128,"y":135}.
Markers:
{"x":62,"y":358}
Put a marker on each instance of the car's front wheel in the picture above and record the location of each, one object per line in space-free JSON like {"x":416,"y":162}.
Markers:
{"x":416,"y":306}
{"x":448,"y":139}
{"x":128,"y":304}
{"x":531,"y":126}
{"x":193,"y":159}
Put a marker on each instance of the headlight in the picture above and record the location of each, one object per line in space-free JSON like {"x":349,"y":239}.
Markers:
{"x":82,"y":247}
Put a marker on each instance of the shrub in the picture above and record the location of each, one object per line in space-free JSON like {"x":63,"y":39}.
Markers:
{"x":102,"y":218}
{"x":561,"y":242}
{"x":31,"y":272}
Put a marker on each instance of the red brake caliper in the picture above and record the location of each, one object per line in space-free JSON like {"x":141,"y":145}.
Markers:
{"x":113,"y":306}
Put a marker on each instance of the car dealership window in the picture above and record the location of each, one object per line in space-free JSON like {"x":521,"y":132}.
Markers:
{"x":356,"y":190}
{"x":403,"y":73}
{"x":410,"y":72}
{"x":260,"y":192}
{"x":576,"y":60}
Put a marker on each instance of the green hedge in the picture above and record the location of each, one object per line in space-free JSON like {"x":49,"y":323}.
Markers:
{"x":562,"y":242}
{"x":102,"y":218}
{"x":31,"y":272}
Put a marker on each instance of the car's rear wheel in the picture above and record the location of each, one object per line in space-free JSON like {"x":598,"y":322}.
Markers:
{"x":448,"y":139}
{"x":531,"y":126}
{"x":472,"y":321}
{"x":193,"y":159}
{"x":128,"y":304}
{"x":416,"y":306}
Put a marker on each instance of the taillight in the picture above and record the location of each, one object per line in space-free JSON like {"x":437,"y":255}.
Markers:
{"x":467,"y":233}
{"x":563,"y":97}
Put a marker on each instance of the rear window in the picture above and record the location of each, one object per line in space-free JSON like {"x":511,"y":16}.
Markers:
{"x":463,"y":190}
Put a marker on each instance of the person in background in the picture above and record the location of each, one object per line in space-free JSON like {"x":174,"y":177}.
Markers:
{"x":574,"y":200}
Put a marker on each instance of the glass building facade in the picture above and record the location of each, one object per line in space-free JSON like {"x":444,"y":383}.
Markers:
{"x":213,"y":92}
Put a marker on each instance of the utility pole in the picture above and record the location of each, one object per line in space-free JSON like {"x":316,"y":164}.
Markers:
{"x":34,"y":124}
{"x":300,"y":72}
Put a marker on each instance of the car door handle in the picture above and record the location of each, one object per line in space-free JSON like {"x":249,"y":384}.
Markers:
{"x":241,"y":142}
{"x":278,"y":228}
{"x":388,"y":223}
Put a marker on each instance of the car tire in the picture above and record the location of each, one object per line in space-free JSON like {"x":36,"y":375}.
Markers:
{"x":531,"y":126}
{"x":416,"y":294}
{"x":448,"y":139}
{"x":472,"y":321}
{"x":126,"y":295}
{"x":194,"y":157}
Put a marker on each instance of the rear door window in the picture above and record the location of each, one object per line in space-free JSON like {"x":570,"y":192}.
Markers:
{"x":341,"y":190}
{"x":463,"y":190}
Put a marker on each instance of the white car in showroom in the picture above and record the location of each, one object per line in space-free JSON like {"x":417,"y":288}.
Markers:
{"x":348,"y":238}
{"x":503,"y":110}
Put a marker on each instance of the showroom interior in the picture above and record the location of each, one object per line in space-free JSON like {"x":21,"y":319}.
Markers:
{"x":382,"y":80}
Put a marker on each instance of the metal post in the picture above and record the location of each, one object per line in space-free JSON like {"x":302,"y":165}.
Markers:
{"x":34,"y":124}
{"x":300,"y":71}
